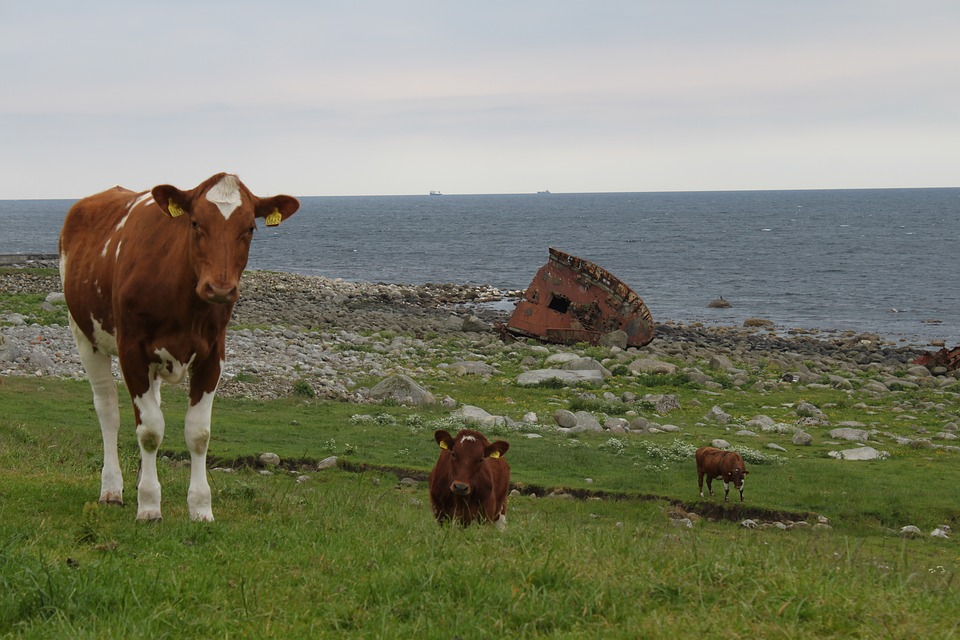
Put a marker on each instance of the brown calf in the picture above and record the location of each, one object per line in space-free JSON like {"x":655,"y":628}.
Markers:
{"x":470,"y":479}
{"x":726,"y":465}
{"x":151,"y":278}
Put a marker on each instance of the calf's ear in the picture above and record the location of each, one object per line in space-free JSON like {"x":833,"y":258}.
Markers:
{"x":444,"y":439}
{"x":277,"y":209}
{"x":171,"y":200}
{"x":496,"y":449}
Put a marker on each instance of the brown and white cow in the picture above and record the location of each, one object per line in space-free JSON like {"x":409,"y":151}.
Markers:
{"x":152,"y":278}
{"x":726,"y":465}
{"x":470,"y":479}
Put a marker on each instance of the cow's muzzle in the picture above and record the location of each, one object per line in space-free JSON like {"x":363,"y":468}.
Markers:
{"x":460,"y":488}
{"x":218,"y":294}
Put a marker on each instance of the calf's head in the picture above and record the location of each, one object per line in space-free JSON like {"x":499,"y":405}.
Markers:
{"x":467,"y":454}
{"x":221,"y":213}
{"x":736,"y":476}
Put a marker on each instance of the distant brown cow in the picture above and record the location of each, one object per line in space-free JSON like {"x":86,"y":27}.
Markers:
{"x":726,"y":465}
{"x":470,"y":479}
{"x":151,"y":277}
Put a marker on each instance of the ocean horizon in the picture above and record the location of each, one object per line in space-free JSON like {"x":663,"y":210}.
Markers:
{"x":867,"y":260}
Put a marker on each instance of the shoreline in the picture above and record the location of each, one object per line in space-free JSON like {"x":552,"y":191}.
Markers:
{"x":289,"y":327}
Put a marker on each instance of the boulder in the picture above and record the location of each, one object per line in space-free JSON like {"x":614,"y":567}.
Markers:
{"x":538,"y":376}
{"x":402,"y":389}
{"x":861,"y":453}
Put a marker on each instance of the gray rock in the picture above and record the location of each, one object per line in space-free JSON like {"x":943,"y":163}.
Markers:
{"x":775,"y":447}
{"x":476,"y":416}
{"x":565,"y":419}
{"x":910,"y":531}
{"x":472,"y":367}
{"x":586,"y":422}
{"x":269,"y":459}
{"x":847,"y":433}
{"x":402,"y":389}
{"x":327,"y":463}
{"x":718,"y":415}
{"x":585,"y":364}
{"x":720,"y":443}
{"x":807,"y":410}
{"x":616,"y":338}
{"x":861,"y":453}
{"x":652,"y":366}
{"x":538,"y":376}
{"x":8,"y":350}
{"x":801,"y":438}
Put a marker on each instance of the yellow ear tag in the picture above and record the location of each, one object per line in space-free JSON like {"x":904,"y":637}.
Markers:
{"x":174,"y":210}
{"x":274,"y":218}
{"x":494,"y":454}
{"x":443,"y":445}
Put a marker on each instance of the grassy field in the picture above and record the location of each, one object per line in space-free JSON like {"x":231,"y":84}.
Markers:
{"x":349,"y":552}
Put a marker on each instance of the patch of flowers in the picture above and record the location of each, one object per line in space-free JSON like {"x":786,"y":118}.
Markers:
{"x":616,"y":446}
{"x":758,"y":457}
{"x":675,"y":451}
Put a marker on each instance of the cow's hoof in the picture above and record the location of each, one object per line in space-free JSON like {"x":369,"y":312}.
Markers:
{"x":202,"y":516}
{"x":116,"y":502}
{"x":149,"y":516}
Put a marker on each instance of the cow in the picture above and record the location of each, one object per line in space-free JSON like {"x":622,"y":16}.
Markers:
{"x":726,"y":465}
{"x":151,"y":278}
{"x":470,"y":480}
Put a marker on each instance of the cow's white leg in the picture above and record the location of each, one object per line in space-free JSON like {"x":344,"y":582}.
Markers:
{"x":98,"y":364}
{"x":196,"y":430}
{"x":501,"y":522}
{"x":150,"y":436}
{"x":726,"y":491}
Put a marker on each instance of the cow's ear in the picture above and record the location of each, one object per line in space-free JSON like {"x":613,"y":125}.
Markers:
{"x":496,"y":449}
{"x":444,"y":439}
{"x":277,"y":209}
{"x":171,"y":200}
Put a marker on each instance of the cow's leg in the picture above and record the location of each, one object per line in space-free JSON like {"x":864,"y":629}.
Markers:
{"x":196,"y":430}
{"x":726,"y":490}
{"x":150,"y":428}
{"x":98,"y":366}
{"x":204,"y":380}
{"x":700,"y":481}
{"x":710,"y":484}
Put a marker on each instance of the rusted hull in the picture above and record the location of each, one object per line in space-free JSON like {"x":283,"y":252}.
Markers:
{"x":572,"y":300}
{"x":947,"y":358}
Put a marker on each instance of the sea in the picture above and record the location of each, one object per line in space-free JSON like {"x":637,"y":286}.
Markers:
{"x":881,"y":261}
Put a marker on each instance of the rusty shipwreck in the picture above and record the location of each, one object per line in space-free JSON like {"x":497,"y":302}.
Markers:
{"x":573,"y":300}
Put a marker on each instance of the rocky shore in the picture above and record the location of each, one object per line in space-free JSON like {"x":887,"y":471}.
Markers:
{"x":291,"y":329}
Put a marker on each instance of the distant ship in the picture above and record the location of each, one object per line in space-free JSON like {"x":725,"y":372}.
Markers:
{"x":543,"y":193}
{"x":435,"y":193}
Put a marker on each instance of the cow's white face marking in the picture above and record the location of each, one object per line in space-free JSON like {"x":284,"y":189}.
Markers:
{"x":467,"y":439}
{"x":226,"y":195}
{"x":170,"y":370}
{"x":117,"y":257}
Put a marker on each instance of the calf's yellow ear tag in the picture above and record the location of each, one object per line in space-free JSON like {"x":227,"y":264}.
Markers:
{"x":274,"y":218}
{"x":443,"y":445}
{"x":174,"y":210}
{"x":494,"y":454}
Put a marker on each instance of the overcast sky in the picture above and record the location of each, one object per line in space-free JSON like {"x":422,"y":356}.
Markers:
{"x":397,"y":97}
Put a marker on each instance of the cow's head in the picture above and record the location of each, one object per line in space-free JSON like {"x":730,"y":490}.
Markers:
{"x":737,"y":477}
{"x":467,"y":453}
{"x":221,"y":214}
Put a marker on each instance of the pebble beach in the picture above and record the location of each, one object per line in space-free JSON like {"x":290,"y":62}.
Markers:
{"x":289,"y":327}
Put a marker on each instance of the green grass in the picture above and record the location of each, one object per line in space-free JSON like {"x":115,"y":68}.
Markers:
{"x":350,"y":554}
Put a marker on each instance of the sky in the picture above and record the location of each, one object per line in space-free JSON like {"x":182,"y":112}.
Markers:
{"x":391,"y":97}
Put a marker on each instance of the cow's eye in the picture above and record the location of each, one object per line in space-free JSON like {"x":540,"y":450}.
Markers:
{"x":195,"y":225}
